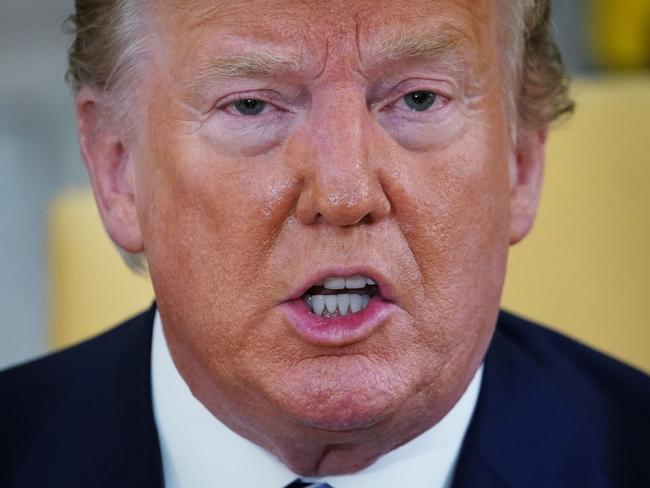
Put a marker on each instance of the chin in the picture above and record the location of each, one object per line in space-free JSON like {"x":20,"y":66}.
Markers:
{"x":348,"y":395}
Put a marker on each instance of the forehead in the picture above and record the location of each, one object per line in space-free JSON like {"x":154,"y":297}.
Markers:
{"x":318,"y":28}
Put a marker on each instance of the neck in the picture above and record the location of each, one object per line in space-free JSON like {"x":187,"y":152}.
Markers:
{"x":309,"y":451}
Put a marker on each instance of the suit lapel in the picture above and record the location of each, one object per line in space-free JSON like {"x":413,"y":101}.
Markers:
{"x":112,"y":438}
{"x":522,"y":433}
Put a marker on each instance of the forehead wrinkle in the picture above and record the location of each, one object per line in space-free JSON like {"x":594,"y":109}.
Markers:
{"x":201,"y":8}
{"x":201,"y":12}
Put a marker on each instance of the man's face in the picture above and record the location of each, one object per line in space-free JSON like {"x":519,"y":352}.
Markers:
{"x":289,"y":142}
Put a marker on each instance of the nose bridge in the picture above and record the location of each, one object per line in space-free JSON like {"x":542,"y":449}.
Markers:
{"x":342,"y":153}
{"x":345,"y":187}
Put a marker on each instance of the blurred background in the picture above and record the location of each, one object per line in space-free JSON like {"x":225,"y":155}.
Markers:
{"x":585,"y":269}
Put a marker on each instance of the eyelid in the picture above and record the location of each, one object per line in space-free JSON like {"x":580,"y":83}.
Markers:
{"x":442,"y":89}
{"x":441,"y":101}
{"x":228,"y":101}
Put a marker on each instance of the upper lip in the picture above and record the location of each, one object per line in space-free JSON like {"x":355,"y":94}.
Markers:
{"x":383,"y":284}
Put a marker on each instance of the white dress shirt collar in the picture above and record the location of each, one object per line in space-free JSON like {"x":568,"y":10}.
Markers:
{"x":198,"y":451}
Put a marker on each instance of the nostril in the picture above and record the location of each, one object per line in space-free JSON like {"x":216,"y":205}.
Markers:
{"x":342,"y":222}
{"x":342,"y":203}
{"x":367,"y":219}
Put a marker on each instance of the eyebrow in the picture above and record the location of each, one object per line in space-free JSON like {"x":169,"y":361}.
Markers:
{"x":246,"y":65}
{"x":446,"y":43}
{"x":441,"y":44}
{"x":252,"y":64}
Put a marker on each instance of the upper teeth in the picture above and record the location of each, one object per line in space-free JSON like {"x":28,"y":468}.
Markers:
{"x":342,"y":303}
{"x":352,"y":283}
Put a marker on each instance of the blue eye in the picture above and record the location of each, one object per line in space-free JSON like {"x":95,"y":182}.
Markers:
{"x":249,"y":106}
{"x":419,"y":101}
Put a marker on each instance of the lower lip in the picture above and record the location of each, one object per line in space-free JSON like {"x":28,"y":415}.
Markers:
{"x":337,"y":331}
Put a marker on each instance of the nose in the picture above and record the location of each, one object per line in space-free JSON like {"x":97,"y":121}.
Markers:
{"x":342,"y":167}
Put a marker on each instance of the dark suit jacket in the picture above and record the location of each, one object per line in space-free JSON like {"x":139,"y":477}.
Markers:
{"x":551,"y":413}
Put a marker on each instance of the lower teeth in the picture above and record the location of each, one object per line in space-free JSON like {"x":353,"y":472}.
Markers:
{"x":336,"y":305}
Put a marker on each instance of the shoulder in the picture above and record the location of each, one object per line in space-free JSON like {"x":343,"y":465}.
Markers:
{"x":585,"y":371}
{"x":44,"y":377}
{"x":33,"y":394}
{"x":609,"y":400}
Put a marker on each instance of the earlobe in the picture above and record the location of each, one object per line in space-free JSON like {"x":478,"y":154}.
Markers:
{"x":110,"y":167}
{"x":527,"y":182}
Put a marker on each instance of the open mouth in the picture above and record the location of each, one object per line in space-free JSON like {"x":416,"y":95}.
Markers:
{"x":340,"y":306}
{"x":337,"y":296}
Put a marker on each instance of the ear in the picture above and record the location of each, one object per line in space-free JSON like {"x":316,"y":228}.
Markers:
{"x":526,"y":181}
{"x":110,"y":166}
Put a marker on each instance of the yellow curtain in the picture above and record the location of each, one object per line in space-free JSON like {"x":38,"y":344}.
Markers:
{"x":620,"y":31}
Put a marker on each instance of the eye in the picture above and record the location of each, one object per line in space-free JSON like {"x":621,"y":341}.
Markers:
{"x":421,"y":100}
{"x":249,"y":106}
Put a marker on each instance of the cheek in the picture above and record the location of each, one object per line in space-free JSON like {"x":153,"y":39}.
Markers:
{"x":212,"y":203}
{"x":453,"y":210}
{"x":209,"y":224}
{"x":247,"y":137}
